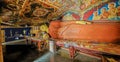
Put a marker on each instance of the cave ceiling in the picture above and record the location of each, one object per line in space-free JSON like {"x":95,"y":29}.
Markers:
{"x":31,"y":11}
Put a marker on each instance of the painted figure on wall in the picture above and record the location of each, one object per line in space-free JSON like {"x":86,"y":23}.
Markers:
{"x":118,"y":11}
{"x":112,"y":10}
{"x":104,"y":13}
{"x":109,"y":11}
{"x":96,"y":16}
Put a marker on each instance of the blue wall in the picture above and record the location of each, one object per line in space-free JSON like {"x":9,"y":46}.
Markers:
{"x":12,"y":34}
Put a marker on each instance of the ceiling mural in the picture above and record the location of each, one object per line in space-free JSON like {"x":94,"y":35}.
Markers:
{"x":33,"y":11}
{"x":95,"y":10}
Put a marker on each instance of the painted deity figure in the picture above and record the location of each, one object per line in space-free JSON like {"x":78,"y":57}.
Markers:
{"x":104,"y":13}
{"x":118,"y":11}
{"x":96,"y":16}
{"x":112,"y":10}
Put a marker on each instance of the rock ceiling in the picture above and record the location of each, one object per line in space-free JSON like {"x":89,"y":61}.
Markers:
{"x":35,"y":12}
{"x":32,"y":11}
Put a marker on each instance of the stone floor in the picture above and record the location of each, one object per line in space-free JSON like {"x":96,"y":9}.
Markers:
{"x":23,"y":53}
{"x":27,"y":53}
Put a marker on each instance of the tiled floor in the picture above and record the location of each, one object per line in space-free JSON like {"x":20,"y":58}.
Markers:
{"x":28,"y":54}
{"x":24,"y":53}
{"x":50,"y":57}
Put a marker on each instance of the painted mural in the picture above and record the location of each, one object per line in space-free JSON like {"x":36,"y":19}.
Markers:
{"x":94,"y":10}
{"x":33,"y":10}
{"x":45,"y":10}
